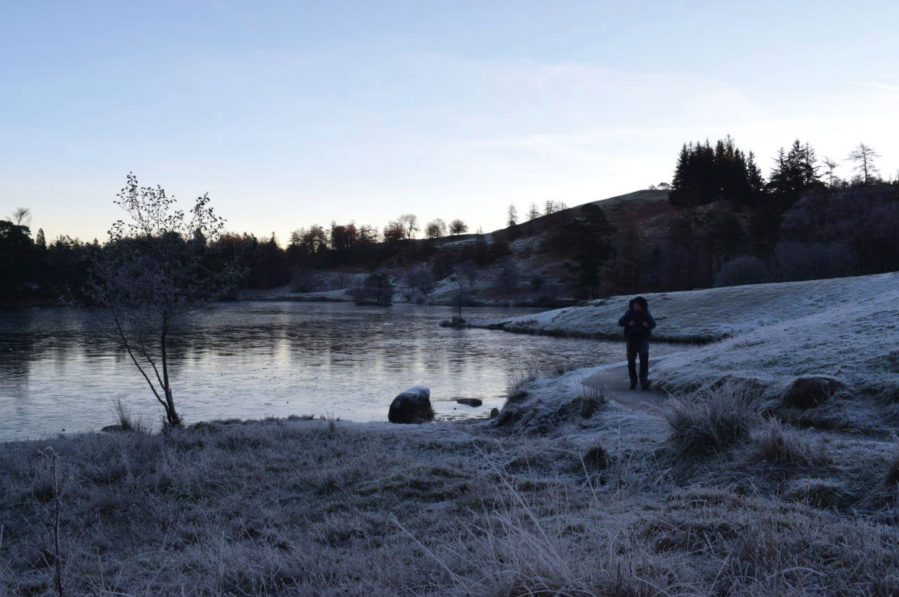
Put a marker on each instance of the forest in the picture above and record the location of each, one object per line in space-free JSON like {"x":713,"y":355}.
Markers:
{"x":726,"y":224}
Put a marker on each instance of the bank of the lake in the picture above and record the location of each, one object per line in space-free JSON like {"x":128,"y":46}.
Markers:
{"x":729,"y":486}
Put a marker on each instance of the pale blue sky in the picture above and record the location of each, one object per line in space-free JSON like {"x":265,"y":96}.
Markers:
{"x":294,"y":113}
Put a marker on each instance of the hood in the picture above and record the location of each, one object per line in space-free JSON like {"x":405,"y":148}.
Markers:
{"x":639,"y":301}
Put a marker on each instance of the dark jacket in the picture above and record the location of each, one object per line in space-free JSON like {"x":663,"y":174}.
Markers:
{"x":637,"y":330}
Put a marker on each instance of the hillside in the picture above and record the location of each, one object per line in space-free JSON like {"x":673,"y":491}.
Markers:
{"x":525,"y":244}
{"x":766,"y":336}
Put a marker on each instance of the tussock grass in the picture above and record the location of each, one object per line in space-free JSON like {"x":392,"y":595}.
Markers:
{"x":125,"y":420}
{"x":518,"y":381}
{"x":319,"y":507}
{"x":712,"y":421}
{"x":775,"y":444}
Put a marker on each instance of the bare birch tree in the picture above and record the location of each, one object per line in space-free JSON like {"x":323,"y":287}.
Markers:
{"x":153,"y":270}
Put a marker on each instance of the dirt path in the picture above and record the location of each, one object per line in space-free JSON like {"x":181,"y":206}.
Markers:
{"x":616,"y":383}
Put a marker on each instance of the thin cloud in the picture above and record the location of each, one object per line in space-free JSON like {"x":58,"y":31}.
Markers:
{"x":876,"y":85}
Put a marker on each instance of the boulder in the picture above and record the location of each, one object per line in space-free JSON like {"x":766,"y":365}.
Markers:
{"x":412,"y":406}
{"x":807,"y":392}
{"x":470,"y":401}
{"x":494,"y":412}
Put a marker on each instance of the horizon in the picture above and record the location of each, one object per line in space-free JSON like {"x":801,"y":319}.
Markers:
{"x":290,"y":116}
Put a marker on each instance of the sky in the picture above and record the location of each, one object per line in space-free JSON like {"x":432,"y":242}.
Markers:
{"x":295,"y":113}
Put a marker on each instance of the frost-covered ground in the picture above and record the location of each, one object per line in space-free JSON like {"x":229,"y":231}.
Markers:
{"x":720,"y":489}
{"x":576,"y":501}
{"x":718,"y":312}
{"x":846,"y":328}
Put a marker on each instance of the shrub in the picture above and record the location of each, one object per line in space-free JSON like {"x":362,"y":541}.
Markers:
{"x":714,"y":422}
{"x":742,"y":271}
{"x":374,"y":290}
{"x":302,"y":280}
{"x":814,"y":261}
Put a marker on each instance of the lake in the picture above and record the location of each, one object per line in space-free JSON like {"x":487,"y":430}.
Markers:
{"x":252,"y":360}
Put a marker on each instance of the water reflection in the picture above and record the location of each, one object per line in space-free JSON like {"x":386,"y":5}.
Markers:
{"x":251,"y":360}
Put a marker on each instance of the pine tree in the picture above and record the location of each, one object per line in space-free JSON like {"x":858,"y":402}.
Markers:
{"x":512,"y":218}
{"x":40,"y":241}
{"x":590,"y":237}
{"x":755,"y":178}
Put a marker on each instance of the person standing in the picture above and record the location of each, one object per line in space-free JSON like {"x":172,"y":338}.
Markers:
{"x":638,"y":325}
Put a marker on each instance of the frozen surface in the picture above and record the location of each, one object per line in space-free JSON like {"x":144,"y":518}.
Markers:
{"x":253,"y":360}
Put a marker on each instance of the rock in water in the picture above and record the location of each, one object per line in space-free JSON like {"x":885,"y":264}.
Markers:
{"x":470,"y":401}
{"x":412,"y":406}
{"x":807,"y":392}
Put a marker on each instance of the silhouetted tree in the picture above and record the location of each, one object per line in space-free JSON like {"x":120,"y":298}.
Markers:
{"x":409,"y":222}
{"x":863,"y":156}
{"x":512,"y":216}
{"x":153,"y":270}
{"x":831,"y":166}
{"x":435,"y":228}
{"x":458,"y":227}
{"x":21,"y":216}
{"x":589,"y":237}
{"x":376,"y":289}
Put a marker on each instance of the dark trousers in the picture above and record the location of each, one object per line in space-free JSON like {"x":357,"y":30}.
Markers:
{"x":638,"y":346}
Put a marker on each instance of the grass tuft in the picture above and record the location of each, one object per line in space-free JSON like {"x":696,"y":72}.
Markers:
{"x":776,"y":444}
{"x":125,"y":420}
{"x":711,"y":422}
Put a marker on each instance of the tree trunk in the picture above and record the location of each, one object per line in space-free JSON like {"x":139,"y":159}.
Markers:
{"x":171,"y":414}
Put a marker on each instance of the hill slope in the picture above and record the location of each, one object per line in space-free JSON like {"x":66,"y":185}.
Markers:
{"x":767,"y":335}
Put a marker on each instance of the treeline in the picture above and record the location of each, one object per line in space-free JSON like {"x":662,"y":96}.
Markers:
{"x":34,"y":271}
{"x":728,"y":224}
{"x":803,"y":222}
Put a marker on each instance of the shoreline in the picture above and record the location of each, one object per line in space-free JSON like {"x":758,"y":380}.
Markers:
{"x":725,"y":482}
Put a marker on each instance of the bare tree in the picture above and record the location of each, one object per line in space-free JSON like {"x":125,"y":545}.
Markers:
{"x":376,"y":289}
{"x":831,"y":166}
{"x":458,"y":227}
{"x":864,"y":157}
{"x":21,"y":216}
{"x":512,"y":216}
{"x":550,"y":207}
{"x":154,"y":270}
{"x":409,"y":222}
{"x":533,"y":213}
{"x":419,"y":283}
{"x":394,"y":232}
{"x":435,"y":228}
